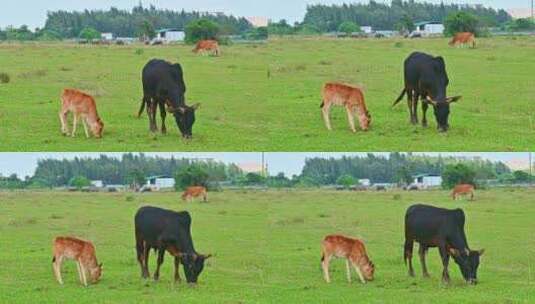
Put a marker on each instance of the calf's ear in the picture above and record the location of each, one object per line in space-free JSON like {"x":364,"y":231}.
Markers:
{"x":453,"y":99}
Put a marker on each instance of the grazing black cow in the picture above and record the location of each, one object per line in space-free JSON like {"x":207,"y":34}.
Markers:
{"x":163,"y":84}
{"x":426,"y":78}
{"x":442,"y":228}
{"x":164,"y":230}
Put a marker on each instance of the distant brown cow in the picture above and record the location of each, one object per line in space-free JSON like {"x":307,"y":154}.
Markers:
{"x":83,"y":252}
{"x":463,"y":190}
{"x":463,"y":38}
{"x":351,"y":249}
{"x":350,"y":97}
{"x":194,"y":192}
{"x":208,"y":46}
{"x":82,"y":106}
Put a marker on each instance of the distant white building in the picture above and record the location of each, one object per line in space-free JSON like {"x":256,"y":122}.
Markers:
{"x":365,"y":182}
{"x":424,"y":181}
{"x":366,"y":29}
{"x":97,"y":184}
{"x":170,"y":35}
{"x":257,"y":21}
{"x":160,"y":182}
{"x":429,"y":28}
{"x":106,"y":36}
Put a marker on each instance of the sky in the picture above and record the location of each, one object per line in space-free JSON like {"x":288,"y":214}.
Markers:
{"x":33,"y":12}
{"x":24,"y":164}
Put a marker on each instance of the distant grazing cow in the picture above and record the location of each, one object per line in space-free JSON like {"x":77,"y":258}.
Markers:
{"x":163,"y":85}
{"x":463,"y":190}
{"x":426,"y":78}
{"x":194,"y":192}
{"x":208,"y":46}
{"x":83,"y":252}
{"x":83,"y":107}
{"x":353,"y":251}
{"x":442,"y":228}
{"x":165,"y":230}
{"x":463,"y":39}
{"x":350,"y":97}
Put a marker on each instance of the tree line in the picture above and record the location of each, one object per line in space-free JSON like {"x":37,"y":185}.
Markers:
{"x":398,"y":15}
{"x":123,"y":23}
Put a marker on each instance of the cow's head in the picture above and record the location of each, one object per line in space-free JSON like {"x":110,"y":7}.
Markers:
{"x":468,"y":262}
{"x":365,"y":120}
{"x":97,"y":128}
{"x":442,"y":110}
{"x":193,"y":265}
{"x":185,"y":118}
{"x":96,"y":273}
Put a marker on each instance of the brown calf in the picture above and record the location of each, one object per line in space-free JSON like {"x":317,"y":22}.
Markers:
{"x":463,"y":190}
{"x":353,"y":251}
{"x":83,"y":252}
{"x":208,"y":46}
{"x":351,"y":98}
{"x":82,"y":106}
{"x":463,"y":38}
{"x":194,"y":192}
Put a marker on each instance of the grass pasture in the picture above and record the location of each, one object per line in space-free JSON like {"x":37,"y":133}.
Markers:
{"x":230,"y":88}
{"x":244,"y":110}
{"x":496,"y":80}
{"x":266,"y":246}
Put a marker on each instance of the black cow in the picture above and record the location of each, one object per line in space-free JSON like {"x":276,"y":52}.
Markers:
{"x":442,"y":228}
{"x":426,"y":78}
{"x":164,"y":230}
{"x":163,"y":84}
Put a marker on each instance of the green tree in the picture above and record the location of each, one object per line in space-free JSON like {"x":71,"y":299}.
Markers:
{"x":193,"y":175}
{"x":405,"y":25}
{"x":404,"y":175}
{"x":348,"y":27}
{"x":346,"y":181}
{"x":147,"y":31}
{"x":201,"y":29}
{"x":521,"y":176}
{"x":521,"y":24}
{"x":136,"y":178}
{"x":79,"y":182}
{"x":461,"y":22}
{"x":254,"y":179}
{"x":458,"y":174}
{"x":89,"y":34}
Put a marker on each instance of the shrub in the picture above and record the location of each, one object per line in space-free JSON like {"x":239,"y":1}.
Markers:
{"x":457,"y":174}
{"x":4,"y":78}
{"x":193,"y":175}
{"x":201,"y":29}
{"x":348,"y":27}
{"x":461,"y":22}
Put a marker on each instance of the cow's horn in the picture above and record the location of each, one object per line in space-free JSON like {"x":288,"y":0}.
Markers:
{"x":453,"y":99}
{"x":431,"y":101}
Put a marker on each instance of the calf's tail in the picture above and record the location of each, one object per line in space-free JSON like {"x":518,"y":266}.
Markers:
{"x":322,"y":104}
{"x":400,"y":97}
{"x":54,"y":259}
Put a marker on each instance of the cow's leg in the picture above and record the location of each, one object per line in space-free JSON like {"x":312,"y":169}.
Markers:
{"x":409,"y":244}
{"x":357,"y":269}
{"x":151,"y":112}
{"x":75,"y":122}
{"x":161,"y":253}
{"x":82,"y":268}
{"x":415,"y":99}
{"x":472,"y":195}
{"x":422,"y":252}
{"x":445,"y":261}
{"x":205,"y":197}
{"x":177,"y":270}
{"x":86,"y":128}
{"x":145,"y":269}
{"x":57,"y":269}
{"x":63,"y":120}
{"x":425,"y":107}
{"x":79,"y":272}
{"x":163,"y":114}
{"x":348,"y":270}
{"x":351,"y":118}
{"x":325,"y":265}
{"x":140,"y":249}
{"x":326,"y":117}
{"x":410,"y":94}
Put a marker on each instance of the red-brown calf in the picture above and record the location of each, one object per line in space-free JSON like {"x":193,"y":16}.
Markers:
{"x":83,"y":252}
{"x":82,"y":106}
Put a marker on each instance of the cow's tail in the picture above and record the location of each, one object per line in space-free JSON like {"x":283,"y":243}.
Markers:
{"x":142,"y":108}
{"x":400,"y":97}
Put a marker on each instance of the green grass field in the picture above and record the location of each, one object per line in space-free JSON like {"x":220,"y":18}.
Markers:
{"x":266,"y":246}
{"x":243,"y":110}
{"x":497,"y":112}
{"x":231,"y":89}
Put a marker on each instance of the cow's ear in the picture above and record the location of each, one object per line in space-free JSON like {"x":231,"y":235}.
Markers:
{"x":207,"y":256}
{"x":196,"y":106}
{"x":453,"y":99}
{"x":481,"y":252}
{"x":431,"y":101}
{"x":454,"y":252}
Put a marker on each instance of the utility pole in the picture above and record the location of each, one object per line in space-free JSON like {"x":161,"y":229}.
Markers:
{"x":530,"y":162}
